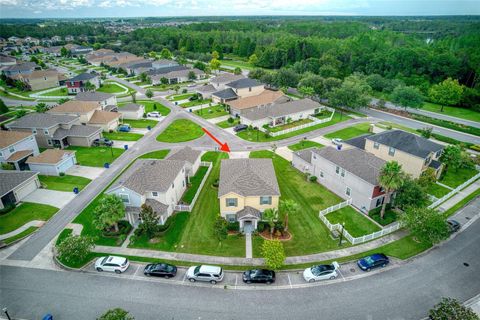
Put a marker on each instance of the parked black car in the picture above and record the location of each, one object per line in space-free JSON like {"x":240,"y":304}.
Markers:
{"x":160,"y":270}
{"x":453,"y":225}
{"x":373,"y":261}
{"x":259,"y":276}
{"x":240,"y":127}
{"x":103,"y":142}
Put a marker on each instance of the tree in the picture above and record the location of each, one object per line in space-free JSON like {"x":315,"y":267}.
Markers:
{"x":64,"y":52}
{"x":89,"y":86}
{"x":153,"y":55}
{"x":288,"y":206}
{"x":253,"y":59}
{"x":426,"y":132}
{"x":215,"y":64}
{"x":20,"y":113}
{"x":353,"y":93}
{"x":270,"y":215}
{"x":41,"y":107}
{"x":149,"y":225}
{"x":407,"y":96}
{"x":427,"y":177}
{"x":215,"y":55}
{"x":452,"y":157}
{"x":108,"y":212}
{"x":451,"y":309}
{"x":220,"y":228}
{"x":273,"y":253}
{"x":3,"y":107}
{"x":306,"y":91}
{"x":133,"y":94}
{"x":448,"y":92}
{"x":149,"y":93}
{"x":391,"y":178}
{"x":176,"y":88}
{"x":163,"y":80}
{"x":143,"y":77}
{"x":74,"y":248}
{"x":411,"y":193}
{"x":116,"y":314}
{"x":191,"y":75}
{"x":427,"y":225}
{"x":165,"y":54}
{"x":237,"y":71}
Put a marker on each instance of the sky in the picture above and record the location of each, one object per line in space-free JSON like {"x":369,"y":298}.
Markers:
{"x":150,"y":8}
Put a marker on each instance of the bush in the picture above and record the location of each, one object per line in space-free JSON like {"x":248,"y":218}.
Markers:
{"x":216,"y":183}
{"x":124,"y":227}
{"x":74,"y":248}
{"x":8,"y":166}
{"x":184,"y":91}
{"x":261,"y":226}
{"x":233,"y":226}
{"x":61,"y":174}
{"x":230,"y":120}
{"x":313,"y":179}
{"x":220,"y":228}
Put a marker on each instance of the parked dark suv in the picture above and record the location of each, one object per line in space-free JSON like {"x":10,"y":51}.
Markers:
{"x":259,"y":276}
{"x":103,"y":142}
{"x":373,"y":261}
{"x":160,"y":270}
{"x":240,"y":127}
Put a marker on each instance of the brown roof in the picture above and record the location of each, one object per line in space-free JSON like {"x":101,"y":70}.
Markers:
{"x":75,"y":106}
{"x":104,"y":116}
{"x":42,"y":73}
{"x":121,"y":60}
{"x":266,"y":97}
{"x":7,"y":138}
{"x":19,"y":155}
{"x":50,"y":156}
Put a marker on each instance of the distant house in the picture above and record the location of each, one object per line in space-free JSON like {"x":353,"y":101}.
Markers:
{"x":39,"y":79}
{"x":102,"y":98}
{"x":69,"y":38}
{"x":19,"y":69}
{"x":221,"y":80}
{"x":16,"y":185}
{"x":78,"y":83}
{"x":16,"y":147}
{"x":262,"y":100}
{"x":56,"y":39}
{"x":81,"y":50}
{"x":6,"y":61}
{"x":175,"y":74}
{"x":52,"y":162}
{"x":241,"y":88}
{"x":247,"y":188}
{"x":137,"y":67}
{"x":132,"y":111}
{"x":30,"y":40}
{"x":55,"y":51}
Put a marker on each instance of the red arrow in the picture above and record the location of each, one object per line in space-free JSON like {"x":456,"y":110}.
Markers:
{"x":223,"y":146}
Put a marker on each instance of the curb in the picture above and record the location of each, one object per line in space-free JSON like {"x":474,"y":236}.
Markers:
{"x":3,"y":245}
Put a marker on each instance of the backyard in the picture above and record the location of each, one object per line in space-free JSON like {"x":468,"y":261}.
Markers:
{"x":305,"y":144}
{"x":111,"y":87}
{"x":23,"y":213}
{"x":180,"y":130}
{"x":194,"y":185}
{"x":95,"y":156}
{"x":454,"y":178}
{"x":350,"y":132}
{"x":211,"y":112}
{"x":355,"y":223}
{"x":63,"y":183}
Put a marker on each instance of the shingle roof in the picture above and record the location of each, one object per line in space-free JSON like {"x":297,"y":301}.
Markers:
{"x":244,"y":83}
{"x":83,"y":77}
{"x":75,"y":106}
{"x":40,"y":120}
{"x":226,"y":78}
{"x":93,"y":96}
{"x":248,"y":177}
{"x":11,"y":179}
{"x":185,"y":154}
{"x":358,"y":142}
{"x":130,"y":107}
{"x":76,"y":131}
{"x":406,"y":142}
{"x":281,"y":109}
{"x":305,"y":154}
{"x":19,"y":155}
{"x":21,"y":67}
{"x":103,"y":117}
{"x":264,"y":98}
{"x":248,"y":211}
{"x":36,"y":74}
{"x":166,"y":70}
{"x":158,"y":207}
{"x":206,"y":89}
{"x":50,"y":156}
{"x":356,"y":161}
{"x":225,"y":94}
{"x":150,"y":175}
{"x":7,"y":138}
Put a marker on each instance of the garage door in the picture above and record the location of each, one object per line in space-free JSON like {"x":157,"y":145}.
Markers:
{"x":26,"y":190}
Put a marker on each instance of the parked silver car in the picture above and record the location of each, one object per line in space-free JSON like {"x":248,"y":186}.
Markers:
{"x":112,"y":264}
{"x":321,"y":272}
{"x":212,"y":274}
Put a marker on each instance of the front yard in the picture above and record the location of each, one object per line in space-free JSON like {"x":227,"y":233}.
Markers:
{"x":226,"y":124}
{"x":141,"y":123}
{"x":211,"y":112}
{"x":180,"y":130}
{"x":111,"y":87}
{"x":355,"y":223}
{"x":178,"y":97}
{"x":95,"y":156}
{"x":122,"y":136}
{"x":64,"y":183}
{"x":351,"y":132}
{"x":24,"y":213}
{"x":305,"y":144}
{"x":194,"y":103}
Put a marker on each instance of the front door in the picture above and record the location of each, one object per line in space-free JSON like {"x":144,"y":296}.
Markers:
{"x":248,"y":227}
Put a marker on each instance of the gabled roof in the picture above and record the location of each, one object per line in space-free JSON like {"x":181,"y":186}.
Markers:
{"x":103,"y":117}
{"x":358,"y":142}
{"x":264,"y":98}
{"x":166,"y":70}
{"x":158,"y":207}
{"x":244,"y":83}
{"x":225,"y":94}
{"x":77,"y":130}
{"x":75,"y":106}
{"x":19,"y":155}
{"x":83,"y":77}
{"x":185,"y":154}
{"x":37,"y":74}
{"x":11,"y":179}
{"x":226,"y":78}
{"x":93,"y":96}
{"x":26,"y":66}
{"x":41,"y":120}
{"x":305,"y":154}
{"x":281,"y":109}
{"x":7,"y":138}
{"x":130,"y":107}
{"x":406,"y":142}
{"x":248,"y":177}
{"x":50,"y":156}
{"x":248,"y":212}
{"x":206,"y":89}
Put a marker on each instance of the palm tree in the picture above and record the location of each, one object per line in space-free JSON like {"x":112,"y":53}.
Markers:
{"x":288,"y":206}
{"x":270,"y":215}
{"x":391,"y":178}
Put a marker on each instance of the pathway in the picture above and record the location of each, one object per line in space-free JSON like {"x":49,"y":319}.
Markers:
{"x":34,"y":223}
{"x":460,"y":196}
{"x":248,"y":246}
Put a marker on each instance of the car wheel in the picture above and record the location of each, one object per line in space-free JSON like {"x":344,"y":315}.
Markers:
{"x":249,"y":281}
{"x":99,"y":269}
{"x":311,"y":280}
{"x":213,"y":282}
{"x":192,"y":280}
{"x":332,"y":277}
{"x":368,"y":269}
{"x":167,"y":277}
{"x":269,"y":282}
{"x":147,"y":274}
{"x":118,"y":271}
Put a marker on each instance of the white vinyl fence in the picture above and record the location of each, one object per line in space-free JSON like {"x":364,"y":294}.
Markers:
{"x":189,"y":207}
{"x":454,"y":191}
{"x":350,"y":238}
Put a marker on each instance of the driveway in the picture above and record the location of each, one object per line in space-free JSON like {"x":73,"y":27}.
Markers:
{"x":84,"y":171}
{"x":121,"y":144}
{"x":285,"y":153}
{"x":54,"y":198}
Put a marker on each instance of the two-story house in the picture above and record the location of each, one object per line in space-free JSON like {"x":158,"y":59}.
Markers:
{"x":19,"y":69}
{"x":16,"y":147}
{"x":56,"y":131}
{"x":107,"y":101}
{"x":240,"y":88}
{"x":247,"y":188}
{"x":191,"y":157}
{"x":39,"y":79}
{"x":78,"y":83}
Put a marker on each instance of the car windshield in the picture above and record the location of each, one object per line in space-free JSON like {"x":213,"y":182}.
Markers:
{"x":196,"y":270}
{"x":369,"y":260}
{"x":318,"y":269}
{"x":104,"y":260}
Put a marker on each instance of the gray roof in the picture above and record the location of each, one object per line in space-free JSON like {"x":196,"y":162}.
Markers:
{"x":248,"y":177}
{"x":226,"y":78}
{"x":26,"y":66}
{"x":40,"y":120}
{"x":305,"y":154}
{"x":225,"y":94}
{"x":358,"y":142}
{"x":130,"y":107}
{"x":76,"y":130}
{"x":244,"y":83}
{"x":93,"y":96}
{"x":166,"y":70}
{"x":281,"y":109}
{"x":206,"y":89}
{"x":158,"y":207}
{"x":185,"y":154}
{"x":150,"y":175}
{"x":83,"y":77}
{"x":248,"y":211}
{"x":141,"y":64}
{"x":10,"y":179}
{"x":406,"y":142}
{"x":356,"y":161}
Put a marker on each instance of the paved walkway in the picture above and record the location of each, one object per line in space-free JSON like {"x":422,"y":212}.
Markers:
{"x":54,"y":198}
{"x":459,"y":196}
{"x":248,"y":246}
{"x":285,"y":153}
{"x":444,"y":185}
{"x":34,"y":223}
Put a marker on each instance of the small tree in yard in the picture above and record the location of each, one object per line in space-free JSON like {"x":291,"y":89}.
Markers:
{"x":116,"y":314}
{"x":452,"y":309}
{"x":425,"y":224}
{"x":454,"y":157}
{"x":273,"y":253}
{"x":3,"y":107}
{"x":109,"y":211}
{"x":411,"y":193}
{"x":89,"y":86}
{"x":41,"y":107}
{"x":149,"y":93}
{"x":133,"y":94}
{"x":426,"y":132}
{"x":391,"y":178}
{"x":176,"y":88}
{"x":20,"y":113}
{"x":271,"y":215}
{"x":237,"y":71}
{"x":220,"y":228}
{"x":149,"y":223}
{"x":74,"y":248}
{"x":288,"y":206}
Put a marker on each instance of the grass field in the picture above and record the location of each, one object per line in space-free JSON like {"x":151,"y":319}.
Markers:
{"x":194,"y":103}
{"x":24,"y":213}
{"x":141,"y":123}
{"x":22,"y":234}
{"x":96,"y":156}
{"x":305,"y":144}
{"x":454,"y":178}
{"x":159,"y":154}
{"x":110,"y":87}
{"x":225,"y":124}
{"x":181,"y":130}
{"x":237,"y":63}
{"x":58,"y":92}
{"x":437,"y":190}
{"x":463,"y":113}
{"x":211,"y":112}
{"x":122,"y":136}
{"x":64,"y":183}
{"x":178,"y":97}
{"x":349,"y":133}
{"x":356,"y":224}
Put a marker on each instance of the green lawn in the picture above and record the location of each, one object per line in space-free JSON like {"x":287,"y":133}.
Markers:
{"x":389,"y":216}
{"x":251,"y":134}
{"x":141,"y":123}
{"x":349,"y":133}
{"x":96,"y":156}
{"x":195,"y":103}
{"x":151,"y":106}
{"x":179,"y":97}
{"x":454,"y":178}
{"x":462,"y":203}
{"x":181,"y":130}
{"x":437,"y":190}
{"x":310,"y":235}
{"x":292,"y":124}
{"x":59,"y":92}
{"x":22,"y":234}
{"x":356,"y":224}
{"x":237,"y":63}
{"x":194,"y":184}
{"x":24,"y":213}
{"x":110,"y":87}
{"x":305,"y":144}
{"x":122,"y":136}
{"x":463,"y":113}
{"x":225,"y":124}
{"x":64,"y":183}
{"x":159,"y":154}
{"x":211,"y":112}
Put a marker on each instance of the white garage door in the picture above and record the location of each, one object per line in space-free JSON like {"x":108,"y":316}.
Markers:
{"x":25,"y":190}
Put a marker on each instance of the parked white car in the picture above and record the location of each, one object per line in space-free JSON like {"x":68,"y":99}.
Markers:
{"x":337,"y":141}
{"x":212,"y":274}
{"x":321,"y":272}
{"x":112,"y":264}
{"x":154,"y":114}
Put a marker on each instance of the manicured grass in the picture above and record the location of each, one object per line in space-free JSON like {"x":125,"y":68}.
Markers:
{"x":110,"y":87}
{"x":351,"y":132}
{"x":236,"y":63}
{"x":454,"y":178}
{"x":64,"y":183}
{"x":95,"y":156}
{"x":63,"y":92}
{"x":447,"y":124}
{"x":211,"y":112}
{"x":159,"y":154}
{"x":179,"y":97}
{"x":356,"y":224}
{"x":305,"y":144}
{"x":462,"y":203}
{"x":141,"y":123}
{"x":292,"y":124}
{"x":194,"y":184}
{"x":389,"y":216}
{"x":195,"y":103}
{"x":24,"y":213}
{"x":310,"y":235}
{"x":20,"y":235}
{"x":463,"y":113}
{"x":437,"y":190}
{"x":181,"y":130}
{"x":251,"y":134}
{"x":151,"y":106}
{"x":386,"y":125}
{"x":122,"y":136}
{"x":225,"y":124}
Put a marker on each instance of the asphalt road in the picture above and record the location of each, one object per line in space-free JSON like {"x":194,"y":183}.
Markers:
{"x":407,"y":292}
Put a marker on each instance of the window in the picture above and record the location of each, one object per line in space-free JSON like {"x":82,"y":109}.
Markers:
{"x":438,"y":154}
{"x":34,"y":130}
{"x":348,"y":191}
{"x":231,"y":202}
{"x":376,"y":145}
{"x":49,"y":142}
{"x":337,"y":170}
{"x":125,"y":197}
{"x":321,"y":174}
{"x":231,"y":217}
{"x":343,"y":173}
{"x":266,"y":200}
{"x":173,"y":185}
{"x":391,"y":151}
{"x":11,"y":149}
{"x":45,"y":132}
{"x":154,"y":194}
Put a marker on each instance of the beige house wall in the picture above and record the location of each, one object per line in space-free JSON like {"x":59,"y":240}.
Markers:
{"x":42,"y":83}
{"x":242,"y":202}
{"x":248,"y":92}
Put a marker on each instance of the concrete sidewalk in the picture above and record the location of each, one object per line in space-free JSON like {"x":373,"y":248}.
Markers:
{"x":459,"y":196}
{"x":34,"y":223}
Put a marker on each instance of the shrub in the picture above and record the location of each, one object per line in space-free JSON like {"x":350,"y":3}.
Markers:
{"x":451,"y":309}
{"x":8,"y":166}
{"x":74,"y":248}
{"x":261,"y":225}
{"x":230,"y":120}
{"x":273,"y":253}
{"x":61,"y":174}
{"x":313,"y":179}
{"x":216,"y":183}
{"x":220,"y":228}
{"x":184,"y":91}
{"x":124,"y":227}
{"x":116,"y":314}
{"x":233,"y":226}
